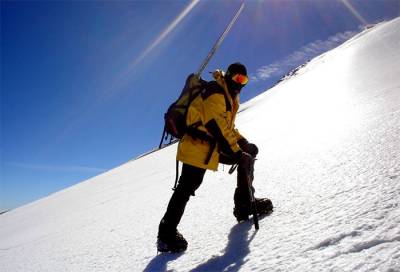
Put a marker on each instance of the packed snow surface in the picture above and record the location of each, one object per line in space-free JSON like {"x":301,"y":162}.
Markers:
{"x":329,"y":140}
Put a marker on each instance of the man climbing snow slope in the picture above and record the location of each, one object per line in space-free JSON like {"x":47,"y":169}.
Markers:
{"x":211,"y":139}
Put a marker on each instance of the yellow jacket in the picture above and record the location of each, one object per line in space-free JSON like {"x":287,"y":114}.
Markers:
{"x":214,"y":113}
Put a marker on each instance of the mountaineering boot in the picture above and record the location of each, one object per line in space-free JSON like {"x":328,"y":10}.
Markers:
{"x":242,"y":212}
{"x":242,"y":208}
{"x":174,"y":243}
{"x":264,"y":205}
{"x":170,"y":240}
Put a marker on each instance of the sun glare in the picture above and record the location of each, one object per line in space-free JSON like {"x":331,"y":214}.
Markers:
{"x":354,"y":12}
{"x":164,"y":34}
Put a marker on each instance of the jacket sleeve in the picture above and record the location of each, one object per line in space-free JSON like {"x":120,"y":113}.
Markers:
{"x":217,"y":124}
{"x":238,"y":135}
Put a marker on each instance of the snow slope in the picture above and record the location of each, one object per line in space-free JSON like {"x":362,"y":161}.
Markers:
{"x":329,"y":159}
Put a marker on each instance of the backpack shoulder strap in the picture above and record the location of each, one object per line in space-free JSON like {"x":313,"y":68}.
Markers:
{"x":212,"y":88}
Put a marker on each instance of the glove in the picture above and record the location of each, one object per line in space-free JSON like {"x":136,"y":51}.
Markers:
{"x":247,"y":147}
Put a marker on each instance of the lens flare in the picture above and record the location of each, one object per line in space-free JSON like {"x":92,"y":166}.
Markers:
{"x":354,"y":12}
{"x":164,"y":34}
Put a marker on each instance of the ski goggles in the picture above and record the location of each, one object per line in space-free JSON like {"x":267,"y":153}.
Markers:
{"x":240,"y":79}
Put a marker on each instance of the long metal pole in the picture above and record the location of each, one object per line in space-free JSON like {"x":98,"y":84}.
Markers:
{"x":253,"y":208}
{"x":219,"y":41}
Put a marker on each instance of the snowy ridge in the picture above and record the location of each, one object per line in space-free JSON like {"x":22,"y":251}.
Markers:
{"x":329,"y":159}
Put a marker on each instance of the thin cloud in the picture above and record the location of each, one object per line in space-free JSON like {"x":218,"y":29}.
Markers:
{"x":300,"y":56}
{"x":43,"y":167}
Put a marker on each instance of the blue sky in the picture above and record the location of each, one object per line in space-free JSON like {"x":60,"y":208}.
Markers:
{"x":84,"y":85}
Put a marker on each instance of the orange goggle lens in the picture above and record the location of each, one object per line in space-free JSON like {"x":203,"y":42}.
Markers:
{"x":241,"y":79}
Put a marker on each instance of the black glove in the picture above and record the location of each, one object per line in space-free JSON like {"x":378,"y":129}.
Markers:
{"x":247,"y":147}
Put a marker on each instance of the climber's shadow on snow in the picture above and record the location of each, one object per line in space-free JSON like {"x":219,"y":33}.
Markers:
{"x":234,"y":253}
{"x":159,"y":263}
{"x":233,"y":258}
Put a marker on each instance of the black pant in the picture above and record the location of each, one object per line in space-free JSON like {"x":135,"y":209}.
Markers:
{"x":244,"y":177}
{"x":190,"y":180}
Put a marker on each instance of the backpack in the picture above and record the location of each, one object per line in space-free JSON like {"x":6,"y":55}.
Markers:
{"x":175,"y":117}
